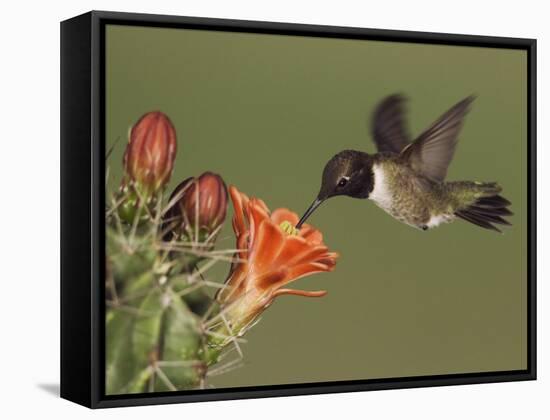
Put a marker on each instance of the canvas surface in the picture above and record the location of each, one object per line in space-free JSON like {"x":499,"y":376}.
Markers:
{"x":266,"y":112}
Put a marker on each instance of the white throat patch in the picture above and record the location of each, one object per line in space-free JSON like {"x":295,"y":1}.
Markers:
{"x":381,"y":193}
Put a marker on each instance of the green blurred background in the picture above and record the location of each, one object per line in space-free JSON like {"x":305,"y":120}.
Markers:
{"x":267,"y":112}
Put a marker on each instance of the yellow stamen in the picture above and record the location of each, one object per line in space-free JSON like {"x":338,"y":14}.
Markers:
{"x":289,"y":228}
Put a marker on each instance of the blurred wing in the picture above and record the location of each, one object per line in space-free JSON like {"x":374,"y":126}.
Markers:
{"x":432,"y":152}
{"x":388,"y":125}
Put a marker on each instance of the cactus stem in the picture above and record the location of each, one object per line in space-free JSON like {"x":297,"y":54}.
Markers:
{"x":172,"y":202}
{"x":110,"y":151}
{"x":107,"y":175}
{"x":164,"y":379}
{"x":135,"y":223}
{"x":151,"y":386}
{"x":217,"y":319}
{"x":179,"y":363}
{"x":115,"y":204}
{"x":194,"y":288}
{"x":164,"y":256}
{"x":184,"y":279}
{"x":209,"y":312}
{"x":233,"y":338}
{"x":213,"y":284}
{"x":118,"y":224}
{"x":134,"y":296}
{"x":167,"y":226}
{"x":158,"y":217}
{"x":182,"y":246}
{"x":224,"y":337}
{"x":160,"y":302}
{"x":225,"y":368}
{"x":143,"y":199}
{"x":213,"y":234}
{"x":129,"y":309}
{"x":227,"y":251}
{"x":111,"y":283}
{"x":203,"y":254}
{"x":198,"y":273}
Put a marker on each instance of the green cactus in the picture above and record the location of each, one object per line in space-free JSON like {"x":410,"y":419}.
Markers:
{"x":158,"y":305}
{"x":166,"y":325}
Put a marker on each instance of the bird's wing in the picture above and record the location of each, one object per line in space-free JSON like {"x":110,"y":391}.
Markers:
{"x":431,"y":153}
{"x":388,"y":125}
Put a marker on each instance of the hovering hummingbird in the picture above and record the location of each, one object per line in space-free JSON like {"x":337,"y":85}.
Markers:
{"x":407,"y":179}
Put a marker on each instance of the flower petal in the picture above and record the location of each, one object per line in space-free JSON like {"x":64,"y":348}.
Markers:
{"x":262,"y":204}
{"x":297,"y":250}
{"x":306,"y":269}
{"x":234,"y":285}
{"x":295,"y":247}
{"x":306,"y":293}
{"x":311,"y":234}
{"x":270,"y":280}
{"x":328,"y":259}
{"x":269,"y":242}
{"x":315,"y":254}
{"x":256,"y":215}
{"x":240,"y":201}
{"x":242,"y":245}
{"x":299,"y":271}
{"x":284,"y":215}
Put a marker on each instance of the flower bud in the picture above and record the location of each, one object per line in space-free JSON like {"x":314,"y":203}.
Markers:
{"x":202,"y":206}
{"x":150,"y":153}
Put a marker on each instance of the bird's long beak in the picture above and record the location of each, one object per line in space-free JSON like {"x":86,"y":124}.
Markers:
{"x":316,"y":203}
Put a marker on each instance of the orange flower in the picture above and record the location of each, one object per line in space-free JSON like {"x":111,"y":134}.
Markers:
{"x":270,"y":258}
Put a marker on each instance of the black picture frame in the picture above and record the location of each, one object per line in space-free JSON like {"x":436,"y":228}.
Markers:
{"x":83,"y":203}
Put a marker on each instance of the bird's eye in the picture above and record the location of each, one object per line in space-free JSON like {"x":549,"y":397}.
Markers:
{"x":342,"y":182}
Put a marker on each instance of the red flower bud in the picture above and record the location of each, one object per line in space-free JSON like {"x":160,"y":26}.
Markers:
{"x":150,"y":153}
{"x":204,"y":197}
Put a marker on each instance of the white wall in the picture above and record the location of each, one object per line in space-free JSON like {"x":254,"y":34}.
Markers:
{"x":29,"y":176}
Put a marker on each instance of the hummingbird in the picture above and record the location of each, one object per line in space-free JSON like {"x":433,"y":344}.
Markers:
{"x":407,"y":178}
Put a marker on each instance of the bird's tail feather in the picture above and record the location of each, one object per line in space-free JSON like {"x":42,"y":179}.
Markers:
{"x":486,"y":212}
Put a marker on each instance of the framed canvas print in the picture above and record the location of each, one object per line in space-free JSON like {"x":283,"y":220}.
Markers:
{"x":255,"y":209}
